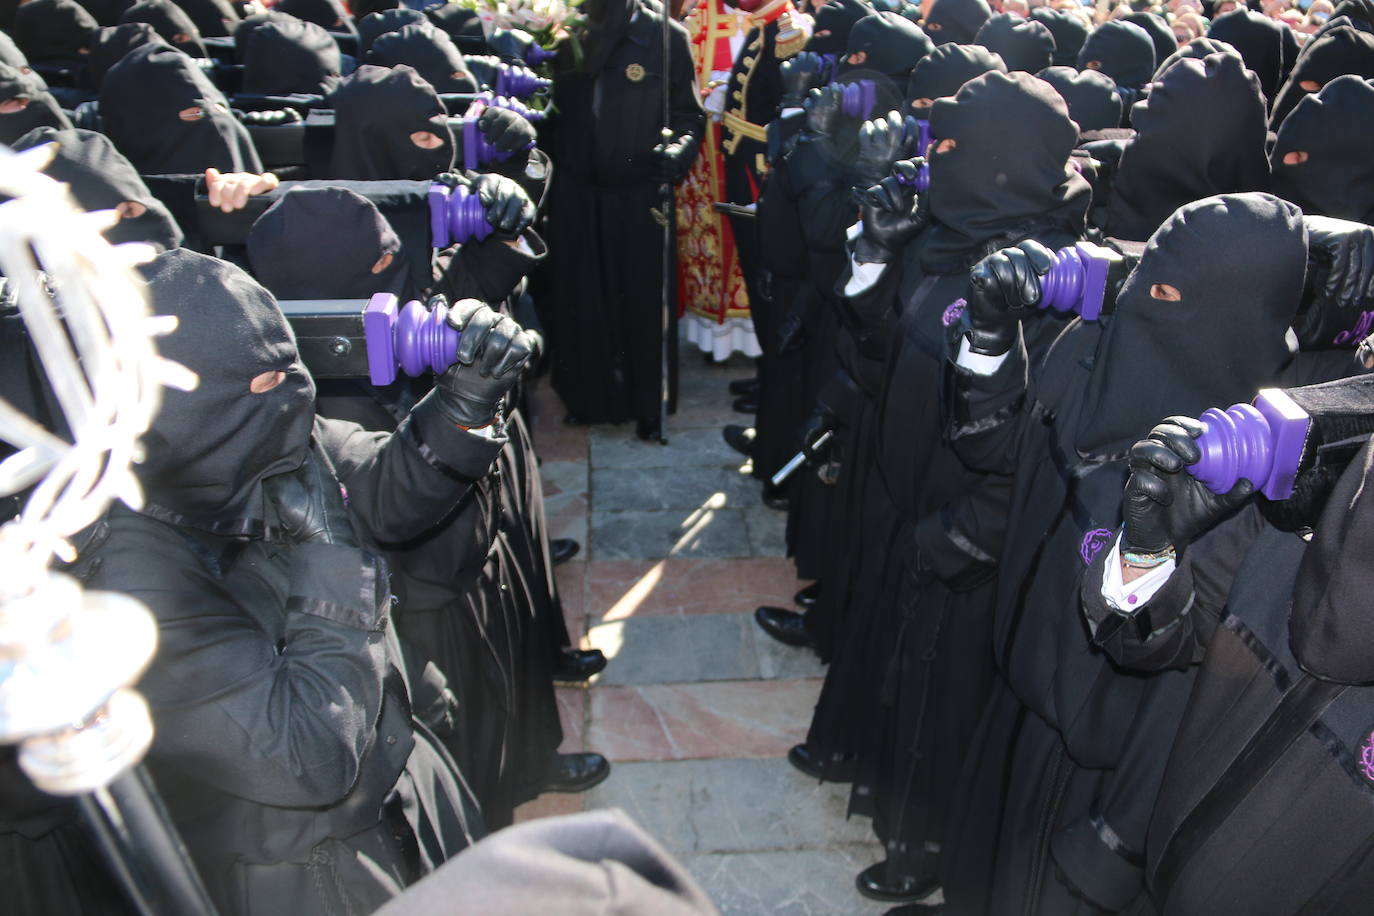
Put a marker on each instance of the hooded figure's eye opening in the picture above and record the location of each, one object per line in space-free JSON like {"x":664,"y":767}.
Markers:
{"x":1310,"y":85}
{"x":16,"y":104}
{"x":130,"y":209}
{"x":383,"y":262}
{"x":857,"y":58}
{"x":194,"y":113}
{"x":944,"y":146}
{"x":425,"y":139}
{"x":1165,"y":293}
{"x":1093,"y":65}
{"x":266,"y":381}
{"x":1295,"y":157}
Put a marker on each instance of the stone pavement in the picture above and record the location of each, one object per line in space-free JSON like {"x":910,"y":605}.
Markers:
{"x":697,"y":707}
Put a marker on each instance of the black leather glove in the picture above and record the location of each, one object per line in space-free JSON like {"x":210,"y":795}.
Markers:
{"x":673,"y":159}
{"x":492,"y":352}
{"x":1164,"y":505}
{"x":823,"y":110}
{"x":817,"y":424}
{"x":882,"y":142}
{"x":800,"y":75}
{"x":999,"y":287}
{"x":511,"y":44}
{"x":508,"y":208}
{"x":892,"y":216}
{"x":1346,"y":250}
{"x":505,"y":130}
{"x":309,"y":505}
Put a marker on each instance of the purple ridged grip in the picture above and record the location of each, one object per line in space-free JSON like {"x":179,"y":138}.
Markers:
{"x":1077,"y":281}
{"x":536,"y":55}
{"x":473,"y":142}
{"x":456,"y":216}
{"x":491,"y":100}
{"x":518,"y":82}
{"x":379,"y":323}
{"x":857,"y":99}
{"x":410,"y":338}
{"x":438,"y":198}
{"x":922,"y":180}
{"x":1261,"y":442}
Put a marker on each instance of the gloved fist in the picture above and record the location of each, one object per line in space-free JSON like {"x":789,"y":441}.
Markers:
{"x":1348,"y":248}
{"x":1163,"y":504}
{"x":891,"y":215}
{"x":492,"y":352}
{"x":673,"y":159}
{"x":881,"y":143}
{"x":800,"y":74}
{"x":823,"y":110}
{"x":999,"y":287}
{"x":505,"y":130}
{"x":309,"y":505}
{"x":817,"y":424}
{"x":508,"y":208}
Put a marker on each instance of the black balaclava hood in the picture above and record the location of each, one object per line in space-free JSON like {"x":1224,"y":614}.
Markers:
{"x":329,"y":14}
{"x":101,"y":179}
{"x":110,"y":45}
{"x":430,"y":52}
{"x":376,"y":109}
{"x":1336,"y":53}
{"x":248,"y":24}
{"x":106,"y":12}
{"x":1329,"y":625}
{"x":376,"y":24}
{"x":170,"y":22}
{"x":1023,"y":44}
{"x":1160,"y":34}
{"x":463,"y":26}
{"x":1238,"y":261}
{"x":42,"y":109}
{"x":892,"y":45}
{"x":1091,"y":96}
{"x":1197,"y":49}
{"x":210,"y":449}
{"x":835,"y":19}
{"x":140,"y":105}
{"x":1009,"y":170}
{"x":1335,"y":127}
{"x":288,"y":57}
{"x":1259,"y":40}
{"x":944,"y":71}
{"x":1171,"y":162}
{"x":214,"y":18}
{"x":284,"y":246}
{"x":956,"y":20}
{"x":1069,"y":34}
{"x":1359,"y":12}
{"x":1122,"y":50}
{"x":53,"y":29}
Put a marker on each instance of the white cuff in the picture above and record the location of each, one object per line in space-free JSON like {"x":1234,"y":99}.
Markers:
{"x":978,"y":363}
{"x":1128,"y":597}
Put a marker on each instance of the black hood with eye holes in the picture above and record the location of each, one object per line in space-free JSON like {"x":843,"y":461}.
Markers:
{"x":373,"y":25}
{"x":1259,"y":40}
{"x":53,"y":29}
{"x":209,"y":450}
{"x":332,"y":15}
{"x":837,"y":18}
{"x":956,"y":20}
{"x":42,"y":109}
{"x":376,"y":109}
{"x":942,"y":72}
{"x":170,"y":21}
{"x":1090,"y":94}
{"x":1122,"y":50}
{"x":1335,"y":128}
{"x":891,"y":45}
{"x":1159,"y":31}
{"x":1069,"y":34}
{"x":290,"y":57}
{"x":1337,"y":53}
{"x":214,"y":18}
{"x":1023,"y":44}
{"x":429,"y":51}
{"x":1197,"y":48}
{"x":110,"y":45}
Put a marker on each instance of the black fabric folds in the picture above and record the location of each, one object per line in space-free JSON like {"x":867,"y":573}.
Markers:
{"x":210,"y":449}
{"x":1335,"y":128}
{"x":376,"y":109}
{"x":330,"y":14}
{"x":1238,"y":261}
{"x":175,"y":27}
{"x":1023,"y":44}
{"x":258,"y":20}
{"x":110,"y":45}
{"x":1338,"y":52}
{"x":892,"y":44}
{"x":53,"y":29}
{"x":942,"y":72}
{"x":1090,"y":94}
{"x":165,"y":115}
{"x":1172,"y":161}
{"x":214,"y":18}
{"x":106,"y":12}
{"x":1197,"y":48}
{"x":375,"y":24}
{"x":1069,"y":34}
{"x":1009,"y":170}
{"x":40,"y":108}
{"x":955,"y":20}
{"x":1160,"y":34}
{"x":287,"y":57}
{"x":462,"y":25}
{"x":834,"y":21}
{"x":1259,"y":40}
{"x":428,"y":50}
{"x":1122,"y":50}
{"x":284,"y":246}
{"x":101,"y":179}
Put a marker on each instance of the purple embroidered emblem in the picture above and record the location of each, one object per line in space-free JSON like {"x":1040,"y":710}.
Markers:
{"x":1093,"y":542}
{"x":1367,"y":757}
{"x":953,"y":311}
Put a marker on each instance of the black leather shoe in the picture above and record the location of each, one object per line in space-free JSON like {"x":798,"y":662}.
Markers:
{"x":776,"y":497}
{"x":575,"y":773}
{"x":739,"y":438}
{"x":785,"y":626}
{"x":748,"y":403}
{"x":561,"y":550}
{"x":817,"y":766}
{"x":807,"y":597}
{"x":741,"y":386}
{"x":574,"y":665}
{"x":873,"y":883}
{"x":650,"y":431}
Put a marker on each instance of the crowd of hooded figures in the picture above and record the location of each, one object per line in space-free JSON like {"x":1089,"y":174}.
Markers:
{"x":1064,"y":311}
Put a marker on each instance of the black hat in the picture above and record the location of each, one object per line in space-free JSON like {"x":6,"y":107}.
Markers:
{"x":1069,"y":33}
{"x":1023,"y":44}
{"x":1090,"y":94}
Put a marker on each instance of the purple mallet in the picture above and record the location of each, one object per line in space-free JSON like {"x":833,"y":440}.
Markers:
{"x":410,"y":338}
{"x":1262,"y":442}
{"x":1081,"y":280}
{"x":456,"y":216}
{"x":858,"y":98}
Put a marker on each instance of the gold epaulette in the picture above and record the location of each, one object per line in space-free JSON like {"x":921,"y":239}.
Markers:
{"x":790,"y":38}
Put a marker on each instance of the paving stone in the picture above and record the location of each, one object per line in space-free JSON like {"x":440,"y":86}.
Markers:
{"x":562,"y":479}
{"x":554,"y":804}
{"x":693,"y":721}
{"x":709,"y":531}
{"x":673,"y":650}
{"x":617,"y":447}
{"x":813,"y":882}
{"x":573,"y":706}
{"x":572,"y":591}
{"x":620,"y":589}
{"x":767,"y":531}
{"x":777,"y":660}
{"x":678,"y":488}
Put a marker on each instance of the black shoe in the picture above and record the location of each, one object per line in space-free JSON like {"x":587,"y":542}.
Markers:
{"x":573,"y":665}
{"x":650,"y":431}
{"x":807,"y":597}
{"x":917,"y":909}
{"x":872,"y":882}
{"x":739,"y":438}
{"x":776,"y":497}
{"x":785,"y":626}
{"x":561,"y":550}
{"x":826,"y":769}
{"x":745,"y":386}
{"x":748,"y":403}
{"x":575,"y":773}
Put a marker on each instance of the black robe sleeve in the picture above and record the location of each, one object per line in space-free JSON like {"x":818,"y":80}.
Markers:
{"x":987,"y":412}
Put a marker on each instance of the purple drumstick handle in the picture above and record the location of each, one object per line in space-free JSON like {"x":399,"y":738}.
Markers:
{"x":491,"y":100}
{"x":536,"y":55}
{"x":438,"y":199}
{"x":518,"y":82}
{"x":922,"y":180}
{"x":472,"y":141}
{"x":1261,"y":442}
{"x":411,"y":338}
{"x":857,"y":99}
{"x":379,"y":325}
{"x":467,"y":219}
{"x":1080,"y":278}
{"x":923,"y":137}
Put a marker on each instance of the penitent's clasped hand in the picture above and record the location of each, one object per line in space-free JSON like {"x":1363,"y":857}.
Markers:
{"x":309,"y":505}
{"x":492,"y":352}
{"x":1000,"y":288}
{"x":506,"y":131}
